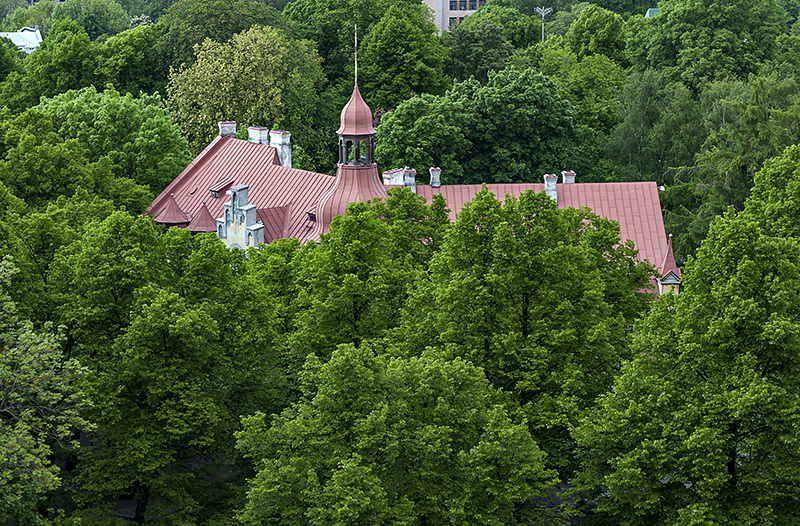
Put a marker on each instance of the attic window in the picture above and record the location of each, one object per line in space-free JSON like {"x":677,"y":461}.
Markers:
{"x":219,"y":187}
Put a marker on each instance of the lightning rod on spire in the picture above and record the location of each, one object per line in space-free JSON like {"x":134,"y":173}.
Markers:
{"x":355,"y":48}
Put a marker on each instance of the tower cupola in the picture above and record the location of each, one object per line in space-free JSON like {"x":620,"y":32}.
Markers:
{"x":356,"y":134}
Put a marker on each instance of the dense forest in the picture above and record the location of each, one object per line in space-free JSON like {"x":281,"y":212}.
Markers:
{"x":508,"y":368}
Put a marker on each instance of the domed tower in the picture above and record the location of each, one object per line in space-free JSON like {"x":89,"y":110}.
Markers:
{"x":357,"y":177}
{"x":356,"y":134}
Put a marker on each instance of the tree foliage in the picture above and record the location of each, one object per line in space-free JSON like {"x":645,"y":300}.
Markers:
{"x":598,"y":31}
{"x":540,"y":298}
{"x":476,"y":49}
{"x":258,"y":78}
{"x":97,"y":17}
{"x":40,"y":408}
{"x":514,"y":128}
{"x":699,"y":427}
{"x":188,"y":23}
{"x":696,"y":42}
{"x":376,"y":440}
{"x":402,"y":56}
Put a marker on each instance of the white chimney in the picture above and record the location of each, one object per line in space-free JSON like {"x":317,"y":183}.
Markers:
{"x":568,"y":177}
{"x":280,"y":140}
{"x":410,"y":178}
{"x":393,"y":177}
{"x":436,"y":180}
{"x":227,"y":128}
{"x":255,"y":134}
{"x":550,"y":181}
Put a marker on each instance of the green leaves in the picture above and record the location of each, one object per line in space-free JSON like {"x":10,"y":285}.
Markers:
{"x":41,"y":406}
{"x":392,"y":441}
{"x":513,"y":129}
{"x":402,"y":55}
{"x":700,"y":425}
{"x":259,"y":77}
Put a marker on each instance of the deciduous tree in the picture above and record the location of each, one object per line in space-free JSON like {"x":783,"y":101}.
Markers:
{"x":97,"y":17}
{"x":514,"y":128}
{"x":402,"y":55}
{"x":258,"y":78}
{"x":40,"y":408}
{"x":540,"y":298}
{"x":376,"y":440}
{"x":699,"y":428}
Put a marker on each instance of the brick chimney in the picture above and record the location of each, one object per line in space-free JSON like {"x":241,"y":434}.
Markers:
{"x":550,"y":181}
{"x":281,"y":141}
{"x":568,"y":177}
{"x":410,"y":178}
{"x":436,"y":180}
{"x":227,"y":128}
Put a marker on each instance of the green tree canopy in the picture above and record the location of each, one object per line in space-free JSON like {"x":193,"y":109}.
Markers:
{"x":696,"y":41}
{"x":41,"y":406}
{"x":376,"y":440}
{"x":128,"y":61}
{"x":258,"y":78}
{"x":67,"y":59}
{"x":473,"y":50}
{"x":402,"y":55}
{"x":31,"y":15}
{"x":188,"y":23}
{"x":97,"y":17}
{"x":515,"y":128}
{"x":540,"y":298}
{"x":699,"y":428}
{"x":135,"y":133}
{"x":598,"y":31}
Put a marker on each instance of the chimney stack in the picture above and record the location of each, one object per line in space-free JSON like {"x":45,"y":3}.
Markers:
{"x":410,"y":178}
{"x":550,"y":181}
{"x":258,"y":135}
{"x":227,"y":128}
{"x":280,"y":140}
{"x":393,"y":177}
{"x":568,"y":177}
{"x":436,"y":180}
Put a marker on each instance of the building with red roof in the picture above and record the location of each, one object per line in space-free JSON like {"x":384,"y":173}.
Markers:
{"x":248,"y":192}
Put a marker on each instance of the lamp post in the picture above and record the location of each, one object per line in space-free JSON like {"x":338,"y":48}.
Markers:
{"x":544,"y":12}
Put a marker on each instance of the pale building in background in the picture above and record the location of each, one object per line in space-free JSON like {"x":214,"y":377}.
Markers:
{"x":448,"y":13}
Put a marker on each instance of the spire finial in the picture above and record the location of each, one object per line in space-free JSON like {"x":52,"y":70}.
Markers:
{"x":356,"y":52}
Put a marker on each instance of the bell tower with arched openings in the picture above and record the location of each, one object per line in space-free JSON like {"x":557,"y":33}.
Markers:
{"x":356,"y":134}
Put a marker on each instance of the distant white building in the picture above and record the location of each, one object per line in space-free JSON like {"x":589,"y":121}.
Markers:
{"x":26,"y":39}
{"x":448,"y":13}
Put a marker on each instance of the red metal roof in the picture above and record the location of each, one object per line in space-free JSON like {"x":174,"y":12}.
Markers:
{"x":203,"y":221}
{"x":668,"y":263}
{"x":170,"y":213}
{"x":353,"y":183}
{"x":230,"y":160}
{"x":635,"y":206}
{"x":356,"y":116}
{"x":283,"y":196}
{"x":276,"y":222}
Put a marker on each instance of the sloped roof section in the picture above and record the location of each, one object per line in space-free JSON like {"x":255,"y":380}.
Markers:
{"x":276,"y":222}
{"x":353,"y":183}
{"x":203,"y":221}
{"x":356,"y":118}
{"x":668,"y":263}
{"x":171,"y":214}
{"x":26,"y":39}
{"x":228,"y":159}
{"x":635,"y":206}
